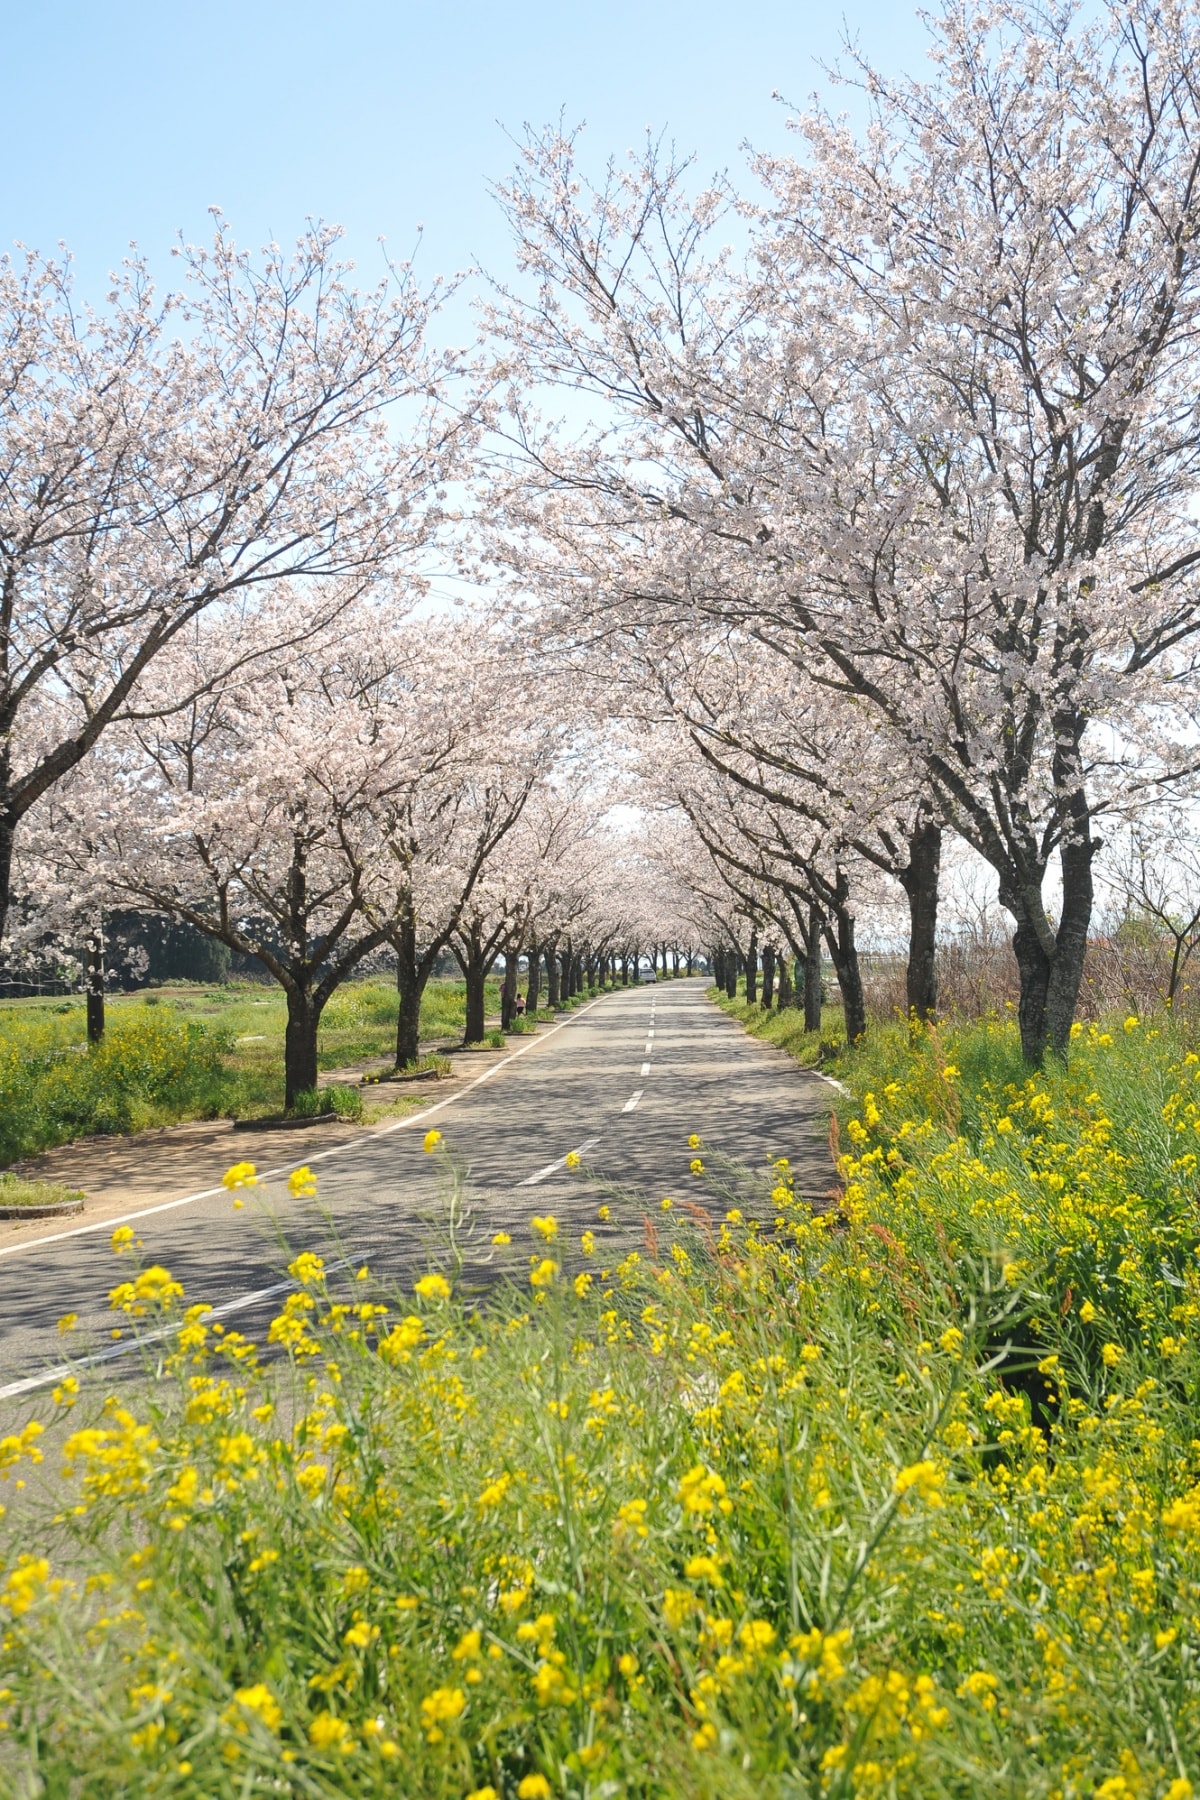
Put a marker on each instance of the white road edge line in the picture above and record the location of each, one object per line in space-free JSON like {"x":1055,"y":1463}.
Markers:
{"x":84,"y":1366}
{"x":633,"y":1100}
{"x":839,"y":1085}
{"x":559,"y":1163}
{"x":357,"y":1143}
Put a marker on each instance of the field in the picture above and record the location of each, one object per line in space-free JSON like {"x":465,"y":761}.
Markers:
{"x":722,"y":1499}
{"x":183,"y":1053}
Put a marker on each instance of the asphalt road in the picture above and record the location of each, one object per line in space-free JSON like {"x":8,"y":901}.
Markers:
{"x":624,"y":1080}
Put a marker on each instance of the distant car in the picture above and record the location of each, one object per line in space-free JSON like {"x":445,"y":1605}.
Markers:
{"x":648,"y":975}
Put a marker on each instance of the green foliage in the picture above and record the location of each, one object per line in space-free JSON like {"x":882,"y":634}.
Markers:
{"x":346,"y":1102}
{"x":150,"y":1068}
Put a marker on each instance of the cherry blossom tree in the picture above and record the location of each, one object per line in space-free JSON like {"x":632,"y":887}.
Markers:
{"x":465,"y":749}
{"x":247,"y":815}
{"x":160,"y":457}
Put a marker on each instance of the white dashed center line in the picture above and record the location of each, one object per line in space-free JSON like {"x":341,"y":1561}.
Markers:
{"x":559,"y":1163}
{"x":645,"y":1068}
{"x":632,"y":1101}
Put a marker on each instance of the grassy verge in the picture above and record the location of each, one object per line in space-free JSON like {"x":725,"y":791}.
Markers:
{"x":786,"y":1028}
{"x":182,"y":1053}
{"x":15,"y":1192}
{"x":902,"y":1502}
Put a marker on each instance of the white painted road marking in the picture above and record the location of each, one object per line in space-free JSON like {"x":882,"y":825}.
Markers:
{"x":645,"y":1068}
{"x":633,"y":1100}
{"x":560,"y":1163}
{"x":30,"y":1382}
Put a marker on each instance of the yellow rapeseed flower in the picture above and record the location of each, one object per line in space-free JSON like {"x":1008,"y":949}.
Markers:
{"x":243,"y":1174}
{"x":307,"y":1268}
{"x":329,"y":1733}
{"x":431,"y":1140}
{"x":979,"y":1685}
{"x":432,"y":1287}
{"x":260,"y":1701}
{"x":443,"y":1707}
{"x":925,"y":1479}
{"x":302,"y":1183}
{"x":546,"y":1227}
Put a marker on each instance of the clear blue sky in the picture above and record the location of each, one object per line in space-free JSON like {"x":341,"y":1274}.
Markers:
{"x":126,"y":119}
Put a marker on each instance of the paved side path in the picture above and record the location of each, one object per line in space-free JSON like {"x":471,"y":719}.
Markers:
{"x":624,"y":1080}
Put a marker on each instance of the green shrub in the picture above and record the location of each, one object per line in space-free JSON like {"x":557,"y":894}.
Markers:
{"x":346,"y":1102}
{"x":149,"y":1069}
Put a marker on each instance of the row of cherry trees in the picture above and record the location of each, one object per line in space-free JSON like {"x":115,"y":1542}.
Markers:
{"x":879,"y":539}
{"x":386,"y":787}
{"x":224,"y":695}
{"x":894,"y":515}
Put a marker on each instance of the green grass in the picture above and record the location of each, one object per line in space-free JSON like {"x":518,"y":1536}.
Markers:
{"x":16,"y":1192}
{"x":184,"y":1052}
{"x":785,"y":1028}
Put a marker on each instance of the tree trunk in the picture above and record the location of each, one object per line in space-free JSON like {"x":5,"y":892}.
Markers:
{"x":768,"y":976}
{"x":553,"y":996}
{"x":1050,"y":964}
{"x":920,"y":884}
{"x":787,"y":995}
{"x":752,"y":970}
{"x":689,"y":962}
{"x":410,"y":986}
{"x":812,"y":972}
{"x":300,"y":1043}
{"x":731,"y":973}
{"x":1066,"y":976}
{"x":7,"y":834}
{"x":839,"y":935}
{"x":93,"y":965}
{"x":508,"y":992}
{"x":533,"y":989}
{"x":475,"y":975}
